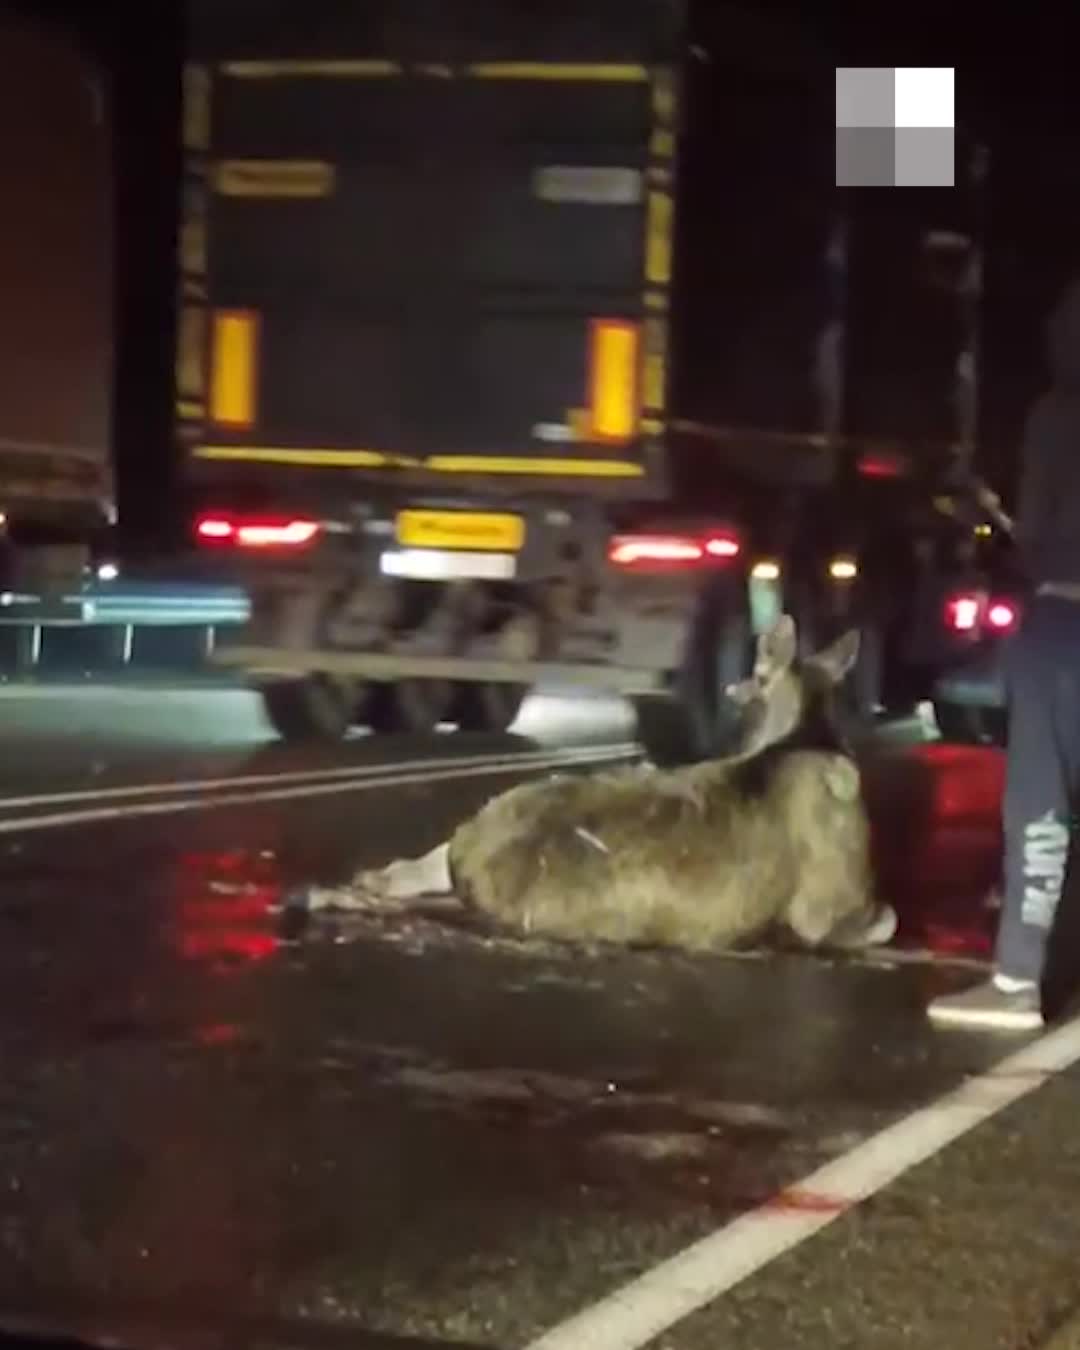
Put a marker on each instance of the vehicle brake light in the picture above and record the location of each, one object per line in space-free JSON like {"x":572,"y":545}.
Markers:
{"x":962,"y":613}
{"x":289,"y":534}
{"x":212,"y":527}
{"x":968,"y":613}
{"x":882,"y":466}
{"x":722,"y":546}
{"x":257,"y":532}
{"x":628,"y":550}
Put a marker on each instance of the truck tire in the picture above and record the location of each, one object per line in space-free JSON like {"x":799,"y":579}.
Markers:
{"x":489,"y":706}
{"x":697,"y":720}
{"x":665,"y":732}
{"x":412,"y":707}
{"x":314,"y":708}
{"x":862,"y":693}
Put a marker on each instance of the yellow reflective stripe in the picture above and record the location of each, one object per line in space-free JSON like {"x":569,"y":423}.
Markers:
{"x":233,"y":375}
{"x":662,"y":144}
{"x":193,"y":246}
{"x":654,"y":394}
{"x":274,"y":178}
{"x":313,"y":457}
{"x":308,"y":456}
{"x":572,"y":468}
{"x":594,"y":72}
{"x":661,"y":214}
{"x":273,"y":70}
{"x":196,"y":95}
{"x":558,"y":70}
{"x":191,"y":352}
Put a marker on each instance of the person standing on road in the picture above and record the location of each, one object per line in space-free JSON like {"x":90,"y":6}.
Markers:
{"x":1043,"y":764}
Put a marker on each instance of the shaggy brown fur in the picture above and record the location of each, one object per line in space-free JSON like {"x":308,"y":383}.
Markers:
{"x":706,"y":857}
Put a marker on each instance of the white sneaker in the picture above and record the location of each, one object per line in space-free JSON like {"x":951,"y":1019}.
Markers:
{"x":998,"y":1004}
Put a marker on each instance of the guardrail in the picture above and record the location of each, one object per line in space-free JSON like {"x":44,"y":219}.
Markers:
{"x":110,"y":626}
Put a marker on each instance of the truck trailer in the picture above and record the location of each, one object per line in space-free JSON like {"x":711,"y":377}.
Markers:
{"x":56,"y":366}
{"x":526,"y":343}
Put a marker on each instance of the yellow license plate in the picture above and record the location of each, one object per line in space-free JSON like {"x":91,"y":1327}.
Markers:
{"x":474,"y":530}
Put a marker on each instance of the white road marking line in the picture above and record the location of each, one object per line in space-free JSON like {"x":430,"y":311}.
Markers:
{"x":526,"y":757}
{"x":422,"y":774}
{"x":632,"y":1316}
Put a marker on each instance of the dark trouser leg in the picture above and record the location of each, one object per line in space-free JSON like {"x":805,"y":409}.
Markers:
{"x":1043,"y":757}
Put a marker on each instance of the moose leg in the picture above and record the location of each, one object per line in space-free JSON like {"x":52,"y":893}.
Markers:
{"x":816,"y":918}
{"x":839,"y":911}
{"x":810,"y":915}
{"x":410,"y":878}
{"x":875,"y":927}
{"x":399,"y":885}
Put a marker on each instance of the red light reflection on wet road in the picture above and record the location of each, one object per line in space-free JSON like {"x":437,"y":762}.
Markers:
{"x":223,"y":908}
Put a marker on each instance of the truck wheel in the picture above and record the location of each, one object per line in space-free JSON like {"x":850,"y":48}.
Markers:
{"x":697,"y":720}
{"x":862,"y":694}
{"x":489,"y":706}
{"x":314,"y":708}
{"x":960,"y":724}
{"x":415,"y":707}
{"x":664,"y":730}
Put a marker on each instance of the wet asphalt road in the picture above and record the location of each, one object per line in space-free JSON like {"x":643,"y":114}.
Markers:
{"x":411,"y":1134}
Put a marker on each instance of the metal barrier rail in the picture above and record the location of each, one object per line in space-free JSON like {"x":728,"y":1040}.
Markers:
{"x":108,"y":626}
{"x":130,"y":602}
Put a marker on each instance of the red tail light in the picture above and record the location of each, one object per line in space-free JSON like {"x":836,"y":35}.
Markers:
{"x":969,"y":613}
{"x":213,"y":527}
{"x":882,"y":466}
{"x":671,"y":550}
{"x":962,"y":613}
{"x":256,"y":531}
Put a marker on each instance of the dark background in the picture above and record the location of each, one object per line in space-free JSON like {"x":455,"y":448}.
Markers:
{"x":1014,"y":73}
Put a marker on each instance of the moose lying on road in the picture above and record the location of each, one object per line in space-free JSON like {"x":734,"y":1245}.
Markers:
{"x":706,"y":857}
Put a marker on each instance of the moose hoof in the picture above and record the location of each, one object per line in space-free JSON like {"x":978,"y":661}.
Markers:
{"x":876,"y":931}
{"x":882,"y":928}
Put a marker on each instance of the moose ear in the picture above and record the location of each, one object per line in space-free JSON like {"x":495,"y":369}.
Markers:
{"x":776,"y":647}
{"x":837,"y":659}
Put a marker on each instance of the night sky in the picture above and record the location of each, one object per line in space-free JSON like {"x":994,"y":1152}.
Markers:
{"x":1013,"y":84}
